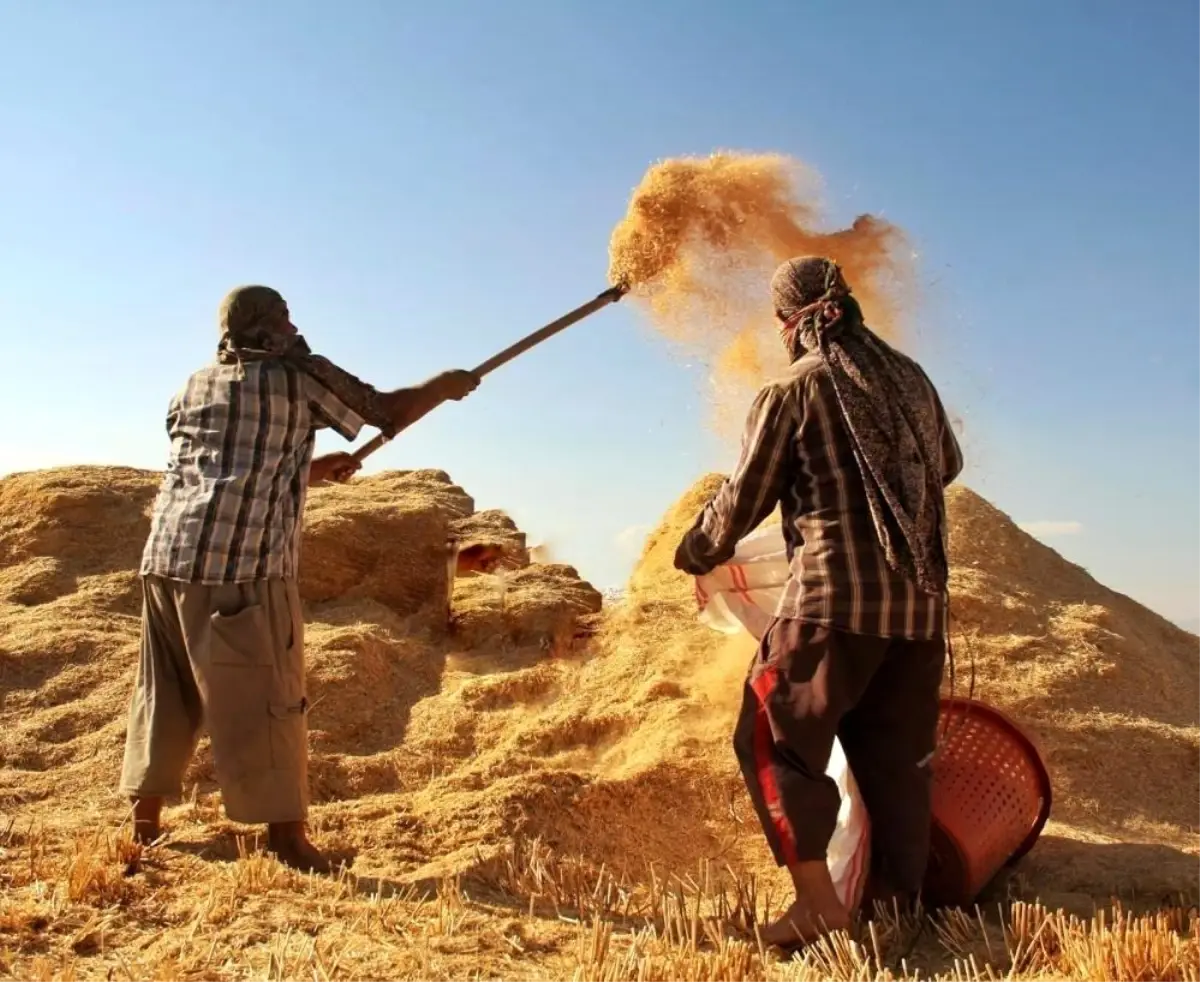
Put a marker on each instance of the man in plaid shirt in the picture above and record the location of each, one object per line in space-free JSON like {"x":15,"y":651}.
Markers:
{"x":854,"y":447}
{"x":222,"y":629}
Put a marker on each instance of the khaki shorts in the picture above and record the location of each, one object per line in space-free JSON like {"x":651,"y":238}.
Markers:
{"x":228,"y":659}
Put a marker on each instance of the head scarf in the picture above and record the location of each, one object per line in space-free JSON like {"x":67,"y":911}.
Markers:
{"x":895,"y":429}
{"x":255,"y":325}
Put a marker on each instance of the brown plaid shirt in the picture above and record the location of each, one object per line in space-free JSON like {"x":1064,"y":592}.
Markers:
{"x":232,"y":500}
{"x":796,"y":453}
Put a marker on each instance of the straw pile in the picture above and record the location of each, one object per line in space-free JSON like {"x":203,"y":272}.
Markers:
{"x":388,"y":541}
{"x":439,"y":747}
{"x":700,"y":241}
{"x":501,"y":728}
{"x":377,"y":579}
{"x":1107,"y":688}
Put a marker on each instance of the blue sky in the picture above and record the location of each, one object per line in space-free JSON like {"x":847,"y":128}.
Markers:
{"x":425,"y":183}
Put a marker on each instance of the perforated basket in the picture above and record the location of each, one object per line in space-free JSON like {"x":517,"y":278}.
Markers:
{"x":991,"y":799}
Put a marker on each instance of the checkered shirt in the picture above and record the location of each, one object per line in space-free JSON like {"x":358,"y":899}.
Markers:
{"x":798,"y":454}
{"x":231,"y":503}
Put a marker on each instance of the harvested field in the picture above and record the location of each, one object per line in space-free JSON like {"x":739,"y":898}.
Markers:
{"x":523,"y":786}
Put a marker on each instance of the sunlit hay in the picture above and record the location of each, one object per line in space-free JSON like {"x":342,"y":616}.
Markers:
{"x":966,"y":936}
{"x":700,"y":908}
{"x":43,"y":969}
{"x":702,"y":237}
{"x":99,"y":868}
{"x":538,"y":605}
{"x":618,"y":757}
{"x":1155,"y":947}
{"x":1106,"y":687}
{"x":277,"y":924}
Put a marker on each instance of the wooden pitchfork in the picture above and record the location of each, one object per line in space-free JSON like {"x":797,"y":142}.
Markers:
{"x":611,"y":295}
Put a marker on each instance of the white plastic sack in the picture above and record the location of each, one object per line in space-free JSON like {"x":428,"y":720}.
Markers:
{"x":742,"y":596}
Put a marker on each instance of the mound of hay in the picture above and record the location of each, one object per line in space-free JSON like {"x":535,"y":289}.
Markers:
{"x":625,"y":759}
{"x":493,"y":528}
{"x":540,"y":605}
{"x":386,"y":538}
{"x":606,"y":735}
{"x":1106,"y":687}
{"x":376,"y":580}
{"x":51,"y":543}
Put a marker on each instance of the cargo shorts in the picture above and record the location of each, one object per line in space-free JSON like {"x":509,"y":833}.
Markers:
{"x":228,"y":660}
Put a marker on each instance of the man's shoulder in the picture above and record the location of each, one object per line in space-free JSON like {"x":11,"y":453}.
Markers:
{"x":788,"y":387}
{"x":243,"y":373}
{"x":219,"y":383}
{"x":799,"y":373}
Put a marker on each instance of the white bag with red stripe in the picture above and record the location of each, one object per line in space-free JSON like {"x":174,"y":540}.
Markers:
{"x":741,"y":596}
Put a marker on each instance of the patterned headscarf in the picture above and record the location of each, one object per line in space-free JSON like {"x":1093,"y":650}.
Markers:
{"x":255,"y":325}
{"x":882,"y":395}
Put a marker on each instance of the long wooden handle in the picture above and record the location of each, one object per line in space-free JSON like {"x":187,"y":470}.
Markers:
{"x":611,"y":295}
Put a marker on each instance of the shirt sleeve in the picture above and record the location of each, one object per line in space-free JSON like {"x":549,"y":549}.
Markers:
{"x":330,"y":411}
{"x":751,"y":492}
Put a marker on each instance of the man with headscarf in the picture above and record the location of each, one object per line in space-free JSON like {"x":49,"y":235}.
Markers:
{"x":222,"y":628}
{"x":855,"y":448}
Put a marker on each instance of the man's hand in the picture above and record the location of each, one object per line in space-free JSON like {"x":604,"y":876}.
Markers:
{"x":685,"y":561}
{"x":453,"y":385}
{"x":406,"y":406}
{"x":335,"y":467}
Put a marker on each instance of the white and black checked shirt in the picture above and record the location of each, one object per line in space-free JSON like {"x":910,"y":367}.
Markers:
{"x":797,"y":453}
{"x":231,"y":503}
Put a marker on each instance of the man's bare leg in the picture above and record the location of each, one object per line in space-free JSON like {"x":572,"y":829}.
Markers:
{"x":147,"y":820}
{"x":817,"y":910}
{"x":288,"y":841}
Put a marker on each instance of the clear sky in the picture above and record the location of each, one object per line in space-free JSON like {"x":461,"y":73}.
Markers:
{"x":427,"y":182}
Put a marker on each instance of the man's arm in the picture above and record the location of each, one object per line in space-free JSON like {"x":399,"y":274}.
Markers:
{"x":345,"y":402}
{"x":406,"y":406}
{"x":393,"y":410}
{"x":751,"y":492}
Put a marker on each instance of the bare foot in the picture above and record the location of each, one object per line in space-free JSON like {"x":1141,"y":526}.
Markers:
{"x":816,"y":912}
{"x":147,"y":820}
{"x":801,"y":925}
{"x":288,"y":842}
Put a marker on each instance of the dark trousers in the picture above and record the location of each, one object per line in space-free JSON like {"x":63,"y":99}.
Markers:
{"x":879,"y":697}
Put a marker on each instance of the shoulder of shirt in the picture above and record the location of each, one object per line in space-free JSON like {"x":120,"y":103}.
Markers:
{"x":788,"y":387}
{"x":255,"y":372}
{"x":798,"y":374}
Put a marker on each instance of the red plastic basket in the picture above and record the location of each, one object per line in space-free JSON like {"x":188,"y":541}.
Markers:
{"x":991,"y":799}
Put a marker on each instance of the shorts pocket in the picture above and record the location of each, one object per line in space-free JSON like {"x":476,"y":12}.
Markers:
{"x":244,"y":638}
{"x":289,"y":735}
{"x":237,"y":720}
